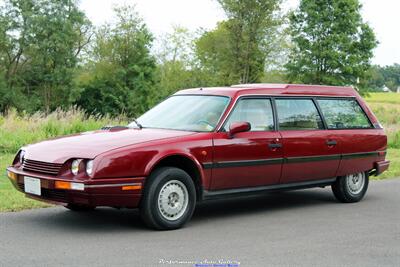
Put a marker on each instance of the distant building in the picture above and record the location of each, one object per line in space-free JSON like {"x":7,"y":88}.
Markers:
{"x":398,"y":89}
{"x":385,"y":89}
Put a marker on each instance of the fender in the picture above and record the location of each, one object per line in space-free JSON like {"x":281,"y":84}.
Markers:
{"x":161,"y":156}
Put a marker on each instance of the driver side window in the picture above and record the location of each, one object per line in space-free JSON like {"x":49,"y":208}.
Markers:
{"x":258,"y":112}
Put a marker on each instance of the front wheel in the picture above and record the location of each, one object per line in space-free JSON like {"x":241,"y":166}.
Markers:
{"x":169,"y":199}
{"x":351,"y":188}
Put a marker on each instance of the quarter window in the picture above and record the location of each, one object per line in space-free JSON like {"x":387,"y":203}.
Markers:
{"x":298,"y":114}
{"x":343,"y":114}
{"x":258,"y":112}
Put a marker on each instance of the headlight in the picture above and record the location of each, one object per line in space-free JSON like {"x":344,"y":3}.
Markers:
{"x":89,"y":167}
{"x":21,"y":156}
{"x":75,"y":166}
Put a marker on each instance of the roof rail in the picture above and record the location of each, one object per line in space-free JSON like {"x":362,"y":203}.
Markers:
{"x":261,"y":85}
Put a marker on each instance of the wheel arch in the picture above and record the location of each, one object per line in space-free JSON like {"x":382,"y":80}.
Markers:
{"x":182,"y":161}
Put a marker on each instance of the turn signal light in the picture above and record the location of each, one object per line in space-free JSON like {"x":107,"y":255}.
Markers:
{"x":12,"y":175}
{"x":69,"y":186}
{"x":131,"y":187}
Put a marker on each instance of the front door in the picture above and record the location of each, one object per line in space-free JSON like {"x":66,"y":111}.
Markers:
{"x":251,"y":158}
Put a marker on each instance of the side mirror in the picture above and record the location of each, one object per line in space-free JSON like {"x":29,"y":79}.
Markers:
{"x":238,"y":127}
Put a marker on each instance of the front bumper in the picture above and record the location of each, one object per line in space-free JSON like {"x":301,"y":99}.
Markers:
{"x":113,"y":192}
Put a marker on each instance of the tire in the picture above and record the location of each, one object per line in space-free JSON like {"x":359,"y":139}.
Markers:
{"x":164,"y":205}
{"x":76,"y":207}
{"x":351,"y":188}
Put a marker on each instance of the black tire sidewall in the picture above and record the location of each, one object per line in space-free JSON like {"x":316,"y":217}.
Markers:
{"x":157,"y":181}
{"x":342,"y":191}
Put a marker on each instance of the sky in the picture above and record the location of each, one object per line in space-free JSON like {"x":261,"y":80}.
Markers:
{"x":160,"y":15}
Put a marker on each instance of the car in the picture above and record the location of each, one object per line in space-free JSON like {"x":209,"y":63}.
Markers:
{"x":208,"y":143}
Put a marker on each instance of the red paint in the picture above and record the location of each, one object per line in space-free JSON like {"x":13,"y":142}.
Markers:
{"x":298,"y":144}
{"x":130,"y":155}
{"x":243,"y":147}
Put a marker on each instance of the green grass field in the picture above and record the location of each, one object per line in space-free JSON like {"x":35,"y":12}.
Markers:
{"x":16,"y":131}
{"x":10,"y":198}
{"x":386,"y":107}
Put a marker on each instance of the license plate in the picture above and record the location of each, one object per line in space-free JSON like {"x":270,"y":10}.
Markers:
{"x":32,"y":186}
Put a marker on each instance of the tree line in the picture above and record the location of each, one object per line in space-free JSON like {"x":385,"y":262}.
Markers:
{"x":51,"y":56}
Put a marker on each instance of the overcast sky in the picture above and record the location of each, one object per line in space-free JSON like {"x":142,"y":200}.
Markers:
{"x":382,"y":15}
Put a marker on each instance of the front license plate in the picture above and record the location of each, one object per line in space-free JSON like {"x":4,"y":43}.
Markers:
{"x":32,"y":185}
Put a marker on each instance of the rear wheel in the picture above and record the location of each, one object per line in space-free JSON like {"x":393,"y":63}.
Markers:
{"x":351,"y":188}
{"x":169,"y":199}
{"x":76,"y":207}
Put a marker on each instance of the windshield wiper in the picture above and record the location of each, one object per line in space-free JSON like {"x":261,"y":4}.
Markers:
{"x":138,"y":124}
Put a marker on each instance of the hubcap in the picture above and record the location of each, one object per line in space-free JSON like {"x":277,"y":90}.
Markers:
{"x":355,"y":182}
{"x":173,"y":200}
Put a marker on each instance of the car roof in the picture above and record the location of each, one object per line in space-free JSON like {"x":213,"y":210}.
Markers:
{"x":273,"y":89}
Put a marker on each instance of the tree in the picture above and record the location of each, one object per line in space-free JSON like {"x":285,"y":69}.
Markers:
{"x":391,"y":76}
{"x":41,"y":41}
{"x":373,"y":79}
{"x":121,"y":74}
{"x":13,"y":27}
{"x":237,"y":49}
{"x":216,"y":56}
{"x":331,"y":43}
{"x":176,"y":69}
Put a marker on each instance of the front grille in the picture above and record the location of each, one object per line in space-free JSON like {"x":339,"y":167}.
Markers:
{"x":41,"y":167}
{"x":55,"y":195}
{"x":51,"y":194}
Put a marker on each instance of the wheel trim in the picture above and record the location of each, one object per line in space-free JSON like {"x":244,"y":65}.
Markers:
{"x":355,"y":183}
{"x":173,"y":200}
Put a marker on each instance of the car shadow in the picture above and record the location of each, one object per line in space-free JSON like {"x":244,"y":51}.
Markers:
{"x":114,"y":220}
{"x":272,"y":202}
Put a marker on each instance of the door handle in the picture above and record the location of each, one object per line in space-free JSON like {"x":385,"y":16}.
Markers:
{"x":274,"y":145}
{"x":331,"y":142}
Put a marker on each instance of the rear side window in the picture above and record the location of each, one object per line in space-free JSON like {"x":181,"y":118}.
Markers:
{"x":343,"y":114}
{"x":258,"y":112}
{"x":298,"y":114}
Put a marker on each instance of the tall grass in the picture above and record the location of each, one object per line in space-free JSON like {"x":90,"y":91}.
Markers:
{"x":388,"y":98}
{"x":386,"y":107}
{"x":17,"y":130}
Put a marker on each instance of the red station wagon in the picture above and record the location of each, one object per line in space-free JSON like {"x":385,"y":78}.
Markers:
{"x":208,"y":143}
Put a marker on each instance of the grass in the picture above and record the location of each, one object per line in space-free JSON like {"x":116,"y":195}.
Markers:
{"x":386,"y":107}
{"x":17,"y":130}
{"x":394,"y":170}
{"x":10,"y":198}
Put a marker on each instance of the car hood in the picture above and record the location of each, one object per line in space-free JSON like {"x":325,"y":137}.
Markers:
{"x":90,"y":144}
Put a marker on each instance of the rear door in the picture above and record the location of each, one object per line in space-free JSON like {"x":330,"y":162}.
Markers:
{"x":311,"y":152}
{"x":251,"y":158}
{"x":362,"y":144}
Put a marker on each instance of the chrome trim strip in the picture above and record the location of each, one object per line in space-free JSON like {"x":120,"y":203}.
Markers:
{"x":109,"y":185}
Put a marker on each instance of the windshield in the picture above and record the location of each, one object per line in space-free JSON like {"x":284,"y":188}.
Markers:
{"x":199,"y":113}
